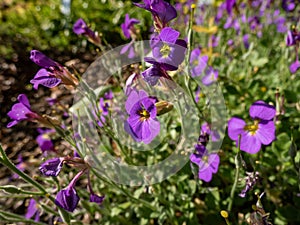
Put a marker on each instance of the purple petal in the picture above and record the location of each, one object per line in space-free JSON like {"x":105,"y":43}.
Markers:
{"x":195,"y":158}
{"x":97,"y":199}
{"x":205,"y":174}
{"x":294,"y":66}
{"x":79,"y":27}
{"x":250,"y":143}
{"x":213,"y":162}
{"x":19,"y":112}
{"x":67,"y":199}
{"x":131,"y":100}
{"x":44,"y":78}
{"x":44,"y":142}
{"x":40,"y":59}
{"x":262,"y":110}
{"x":266,"y":132}
{"x":235,"y":128}
{"x":51,"y":167}
{"x":169,"y":35}
{"x":32,"y":209}
{"x":24,"y":100}
{"x":154,"y":127}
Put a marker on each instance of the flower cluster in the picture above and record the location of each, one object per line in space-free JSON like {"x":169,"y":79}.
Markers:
{"x":208,"y":163}
{"x":293,"y":39}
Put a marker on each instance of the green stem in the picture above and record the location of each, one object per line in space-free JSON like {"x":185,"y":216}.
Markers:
{"x":237,"y":172}
{"x":6,"y":162}
{"x":124,"y":191}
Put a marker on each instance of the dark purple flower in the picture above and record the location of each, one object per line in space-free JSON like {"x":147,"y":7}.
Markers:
{"x":142,"y":123}
{"x":168,"y":49}
{"x":246,"y":41}
{"x":97,"y":199}
{"x":52,"y":73}
{"x":198,"y":63}
{"x":44,"y":141}
{"x":293,"y":37}
{"x":288,"y":5}
{"x":211,"y":76}
{"x":67,"y":198}
{"x":33,"y":210}
{"x":262,"y":131}
{"x":80,"y":27}
{"x":229,"y":6}
{"x":295,"y":66}
{"x":52,"y":167}
{"x":208,"y":163}
{"x":128,"y":26}
{"x":158,"y":70}
{"x":162,"y":11}
{"x":21,"y":111}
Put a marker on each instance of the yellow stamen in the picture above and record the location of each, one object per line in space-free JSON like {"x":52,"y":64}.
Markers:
{"x":144,"y":114}
{"x":165,"y":50}
{"x":252,"y":128}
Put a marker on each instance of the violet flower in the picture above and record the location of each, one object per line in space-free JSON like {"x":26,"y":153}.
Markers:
{"x":32,"y":210}
{"x":129,"y":48}
{"x":21,"y":111}
{"x":68,"y":198}
{"x":208,"y":163}
{"x":198,"y":63}
{"x":262,"y":131}
{"x":80,"y":27}
{"x":295,"y":66}
{"x":246,"y":41}
{"x":44,"y":141}
{"x":128,"y":26}
{"x":97,"y":199}
{"x":156,"y":71}
{"x":52,"y":167}
{"x":288,"y":5}
{"x":168,"y":49}
{"x":206,"y":129}
{"x":142,"y":123}
{"x":52,"y":73}
{"x":211,"y":76}
{"x":162,"y":11}
{"x":229,"y":6}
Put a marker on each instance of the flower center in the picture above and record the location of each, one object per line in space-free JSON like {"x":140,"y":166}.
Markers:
{"x":252,"y":128}
{"x":144,"y":114}
{"x":195,"y":62}
{"x":205,"y":159}
{"x":165,"y":50}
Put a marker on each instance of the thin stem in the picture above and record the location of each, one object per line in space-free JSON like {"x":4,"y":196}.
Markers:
{"x":6,"y":162}
{"x":237,"y":172}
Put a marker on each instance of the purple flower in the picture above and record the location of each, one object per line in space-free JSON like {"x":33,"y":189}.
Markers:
{"x":152,"y":74}
{"x":97,"y":199}
{"x":80,"y":27}
{"x":52,"y":73}
{"x":33,"y":210}
{"x":229,"y":6}
{"x":211,"y":76}
{"x":208,"y":163}
{"x":206,"y":129}
{"x":293,"y":37}
{"x":44,"y":141}
{"x":127,"y":26}
{"x":142,"y":123}
{"x":52,"y":167}
{"x":295,"y":66}
{"x":288,"y":5}
{"x":21,"y":111}
{"x":262,"y":131}
{"x":246,"y":41}
{"x":67,"y":198}
{"x":129,"y":85}
{"x":198,"y":63}
{"x":130,"y":49}
{"x":161,"y":11}
{"x":168,"y":49}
